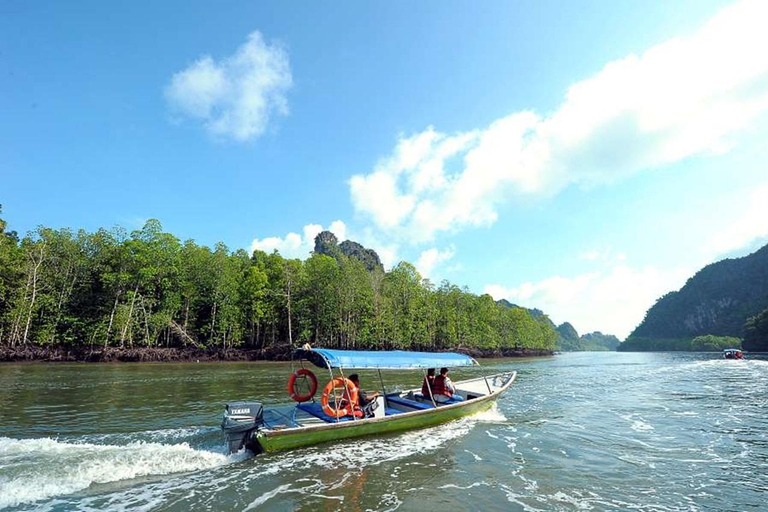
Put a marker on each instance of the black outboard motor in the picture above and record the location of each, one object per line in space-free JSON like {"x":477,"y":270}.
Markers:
{"x":240,"y":420}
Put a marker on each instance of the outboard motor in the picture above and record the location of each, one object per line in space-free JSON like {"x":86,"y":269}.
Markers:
{"x":240,"y":420}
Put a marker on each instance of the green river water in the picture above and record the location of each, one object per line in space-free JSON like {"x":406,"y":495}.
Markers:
{"x":582,"y":431}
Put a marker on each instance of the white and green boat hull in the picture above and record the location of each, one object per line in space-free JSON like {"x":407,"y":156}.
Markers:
{"x":273,"y":440}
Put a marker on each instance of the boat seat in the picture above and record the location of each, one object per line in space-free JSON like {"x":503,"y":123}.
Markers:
{"x":397,"y":399}
{"x":316,"y":410}
{"x":422,"y":397}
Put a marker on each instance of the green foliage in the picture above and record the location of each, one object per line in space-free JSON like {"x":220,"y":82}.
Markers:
{"x":567,"y":338}
{"x":147,"y":289}
{"x":704,"y":343}
{"x":570,"y":341}
{"x":756,"y":332}
{"x":597,"y":341}
{"x":637,"y":344}
{"x":567,"y":331}
{"x":710,"y":343}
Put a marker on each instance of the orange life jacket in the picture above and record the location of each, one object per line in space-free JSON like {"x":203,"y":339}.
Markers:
{"x":438,"y":387}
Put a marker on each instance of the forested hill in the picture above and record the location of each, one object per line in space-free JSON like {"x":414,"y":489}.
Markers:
{"x":568,"y":339}
{"x":114,"y":290}
{"x":718,"y":300}
{"x":327,"y":243}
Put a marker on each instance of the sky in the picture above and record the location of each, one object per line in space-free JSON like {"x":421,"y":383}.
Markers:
{"x":583,"y":158}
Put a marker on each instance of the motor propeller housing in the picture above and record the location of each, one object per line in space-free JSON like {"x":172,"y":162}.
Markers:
{"x":240,"y":420}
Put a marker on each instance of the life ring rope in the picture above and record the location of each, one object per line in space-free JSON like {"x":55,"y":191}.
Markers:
{"x":298,"y":379}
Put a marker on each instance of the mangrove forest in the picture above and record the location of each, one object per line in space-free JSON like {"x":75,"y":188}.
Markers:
{"x":119,"y":290}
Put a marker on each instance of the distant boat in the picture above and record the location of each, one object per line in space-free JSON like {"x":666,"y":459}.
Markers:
{"x":337,"y":414}
{"x":733,"y":353}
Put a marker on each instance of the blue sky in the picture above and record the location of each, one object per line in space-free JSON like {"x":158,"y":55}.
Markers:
{"x":579,"y":157}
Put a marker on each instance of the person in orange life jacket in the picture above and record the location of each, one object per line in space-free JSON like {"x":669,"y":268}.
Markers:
{"x":443,"y":388}
{"x":362,"y":397}
{"x":426,"y":387}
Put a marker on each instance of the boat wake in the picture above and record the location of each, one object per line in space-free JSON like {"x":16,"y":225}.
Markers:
{"x":372,"y":451}
{"x":491,"y":415}
{"x":44,"y":468}
{"x":197,"y":437}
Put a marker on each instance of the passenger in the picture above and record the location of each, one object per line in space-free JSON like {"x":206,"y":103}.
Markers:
{"x":443,"y":389}
{"x":366,"y":401}
{"x":426,"y":387}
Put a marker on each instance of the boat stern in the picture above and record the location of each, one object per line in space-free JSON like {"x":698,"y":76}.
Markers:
{"x":240,"y":420}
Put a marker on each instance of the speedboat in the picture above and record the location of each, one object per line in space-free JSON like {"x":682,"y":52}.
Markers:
{"x":336,"y":413}
{"x":733,"y":353}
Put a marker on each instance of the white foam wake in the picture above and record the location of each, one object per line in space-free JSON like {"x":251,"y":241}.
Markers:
{"x":490,"y":415}
{"x":373,"y":450}
{"x":41,"y":469}
{"x":35,"y":469}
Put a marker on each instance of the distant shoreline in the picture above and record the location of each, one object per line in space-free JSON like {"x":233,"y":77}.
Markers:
{"x":36,"y":354}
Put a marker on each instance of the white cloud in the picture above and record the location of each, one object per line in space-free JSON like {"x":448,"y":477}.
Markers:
{"x":236,"y":96}
{"x":686,"y":97}
{"x":604,"y":255}
{"x":294,"y":245}
{"x":431,"y":258}
{"x":613,"y":301}
{"x":388,"y":254}
{"x":750,"y":226}
{"x":338,"y":228}
{"x":419,"y":161}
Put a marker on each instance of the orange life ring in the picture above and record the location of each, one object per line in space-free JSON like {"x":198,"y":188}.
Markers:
{"x":346,"y":403}
{"x":304,"y":374}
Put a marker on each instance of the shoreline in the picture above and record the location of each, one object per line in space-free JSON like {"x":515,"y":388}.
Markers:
{"x":37,"y":354}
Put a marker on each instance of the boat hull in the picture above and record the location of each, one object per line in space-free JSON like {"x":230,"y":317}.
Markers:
{"x":286,"y":439}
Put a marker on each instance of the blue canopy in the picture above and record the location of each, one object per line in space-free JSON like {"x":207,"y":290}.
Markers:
{"x":388,"y":359}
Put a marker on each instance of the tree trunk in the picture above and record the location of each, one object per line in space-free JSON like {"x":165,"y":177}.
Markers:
{"x":111,"y":319}
{"x":35,"y":269}
{"x":16,"y":328}
{"x":147,"y":340}
{"x":290,"y":329}
{"x":130,"y":318}
{"x":213,"y":324}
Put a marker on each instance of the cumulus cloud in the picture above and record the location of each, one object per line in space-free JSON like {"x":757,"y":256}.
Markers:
{"x":750,"y":226}
{"x":613,"y":301}
{"x":431,"y":258}
{"x":294,"y":245}
{"x":689,"y":96}
{"x":236,"y":96}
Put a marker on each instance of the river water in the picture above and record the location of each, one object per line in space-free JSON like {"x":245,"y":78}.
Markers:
{"x":580,"y":431}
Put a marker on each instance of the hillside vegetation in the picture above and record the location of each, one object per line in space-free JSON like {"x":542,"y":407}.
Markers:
{"x":724,"y":299}
{"x":568,"y":339}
